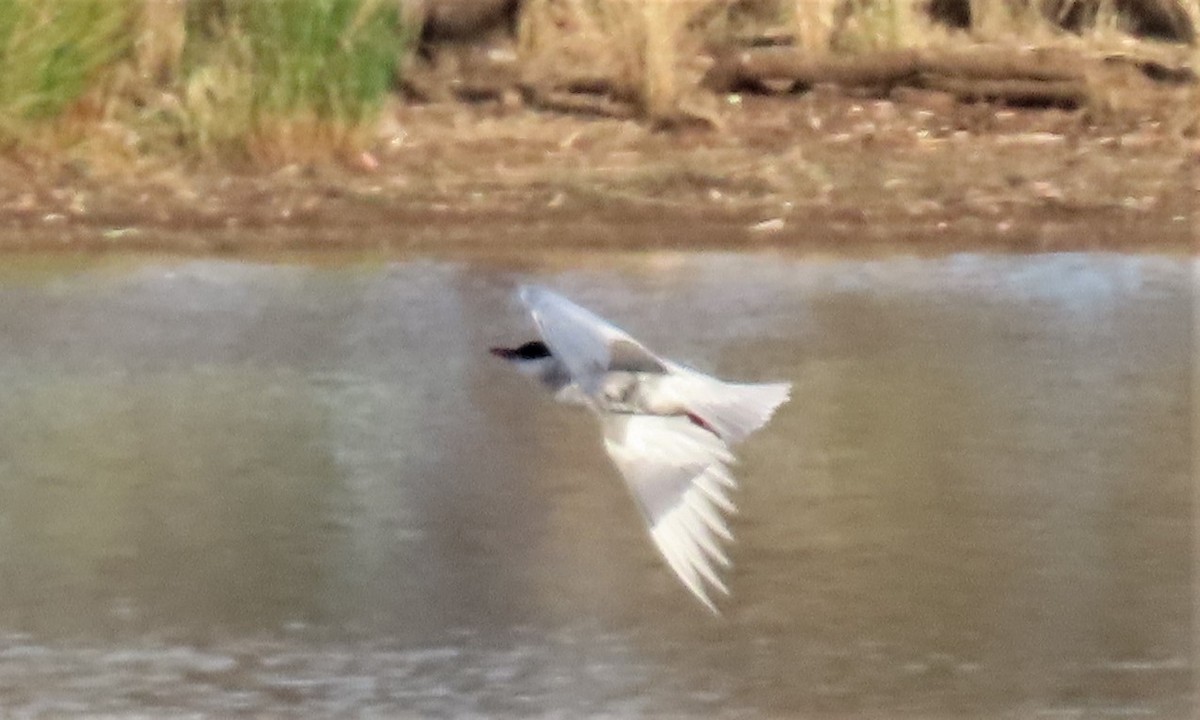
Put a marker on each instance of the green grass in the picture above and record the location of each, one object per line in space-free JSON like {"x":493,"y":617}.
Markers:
{"x":51,"y":52}
{"x":275,"y":80}
{"x":333,"y":58}
{"x":286,"y":78}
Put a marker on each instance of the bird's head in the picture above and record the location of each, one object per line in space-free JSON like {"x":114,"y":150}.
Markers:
{"x":530,"y":358}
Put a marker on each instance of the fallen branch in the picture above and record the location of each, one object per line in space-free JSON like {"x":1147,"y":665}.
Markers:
{"x":1027,"y":93}
{"x":1048,"y":77}
{"x":883,"y":68}
{"x":582,"y":104}
{"x":1003,"y":64}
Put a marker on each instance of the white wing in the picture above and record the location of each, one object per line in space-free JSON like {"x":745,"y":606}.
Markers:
{"x":586,"y":343}
{"x":677,"y":473}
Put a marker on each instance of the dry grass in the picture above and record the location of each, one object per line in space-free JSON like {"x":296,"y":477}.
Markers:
{"x":812,"y":23}
{"x":883,"y":25}
{"x":161,"y":35}
{"x":647,"y":50}
{"x":304,"y":80}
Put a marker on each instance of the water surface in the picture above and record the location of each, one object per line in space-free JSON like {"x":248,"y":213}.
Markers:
{"x":234,"y":488}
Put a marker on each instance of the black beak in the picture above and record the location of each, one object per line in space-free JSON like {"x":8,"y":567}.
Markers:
{"x":532,"y":350}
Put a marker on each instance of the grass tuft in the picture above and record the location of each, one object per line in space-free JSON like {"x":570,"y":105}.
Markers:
{"x":289,"y":80}
{"x":870,"y":25}
{"x":811,"y":23}
{"x":266,"y":80}
{"x":51,"y":53}
{"x":645,"y":49}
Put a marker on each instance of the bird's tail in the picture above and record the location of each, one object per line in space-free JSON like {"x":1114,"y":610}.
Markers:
{"x":734,"y":410}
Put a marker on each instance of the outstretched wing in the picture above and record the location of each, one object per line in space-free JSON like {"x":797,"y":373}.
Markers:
{"x":677,"y":472}
{"x":586,"y":344}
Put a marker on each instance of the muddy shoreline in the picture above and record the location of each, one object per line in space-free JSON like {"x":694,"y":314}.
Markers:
{"x":825,"y":172}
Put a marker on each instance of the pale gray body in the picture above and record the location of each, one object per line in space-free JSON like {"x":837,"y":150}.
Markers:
{"x":617,"y":391}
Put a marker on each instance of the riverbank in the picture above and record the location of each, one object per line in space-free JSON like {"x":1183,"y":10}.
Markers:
{"x":823,"y":171}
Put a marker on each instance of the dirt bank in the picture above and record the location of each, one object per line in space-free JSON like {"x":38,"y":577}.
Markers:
{"x":824,"y":171}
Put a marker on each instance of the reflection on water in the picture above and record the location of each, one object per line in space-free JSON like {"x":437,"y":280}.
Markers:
{"x":260,"y":489}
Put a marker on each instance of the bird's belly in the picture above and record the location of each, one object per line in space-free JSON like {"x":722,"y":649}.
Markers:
{"x":638,"y":393}
{"x":571,"y":394}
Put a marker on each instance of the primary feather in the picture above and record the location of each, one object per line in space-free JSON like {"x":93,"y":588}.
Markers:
{"x":676,"y":472}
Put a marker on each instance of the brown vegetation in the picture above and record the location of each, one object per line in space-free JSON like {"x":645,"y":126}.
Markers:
{"x":793,"y":45}
{"x":822,"y":171}
{"x":796,"y":123}
{"x":1053,"y":77}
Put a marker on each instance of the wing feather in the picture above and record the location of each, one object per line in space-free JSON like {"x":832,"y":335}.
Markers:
{"x":703,"y":508}
{"x":676,"y":473}
{"x":703,"y":535}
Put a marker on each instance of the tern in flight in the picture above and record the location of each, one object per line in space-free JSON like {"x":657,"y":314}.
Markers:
{"x":667,"y":428}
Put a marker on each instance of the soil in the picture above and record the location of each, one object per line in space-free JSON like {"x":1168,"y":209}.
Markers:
{"x":822,"y":171}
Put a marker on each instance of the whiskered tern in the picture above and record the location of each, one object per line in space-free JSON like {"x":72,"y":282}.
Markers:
{"x":667,"y":428}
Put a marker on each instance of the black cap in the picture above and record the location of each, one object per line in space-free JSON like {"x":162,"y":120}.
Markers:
{"x":532,"y":350}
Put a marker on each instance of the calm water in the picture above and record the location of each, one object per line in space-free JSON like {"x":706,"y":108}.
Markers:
{"x":242,"y":489}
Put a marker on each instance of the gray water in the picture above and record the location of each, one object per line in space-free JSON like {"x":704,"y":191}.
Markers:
{"x":256,"y":490}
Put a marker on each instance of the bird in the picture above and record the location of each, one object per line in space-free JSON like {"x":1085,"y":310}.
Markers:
{"x":667,"y":428}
